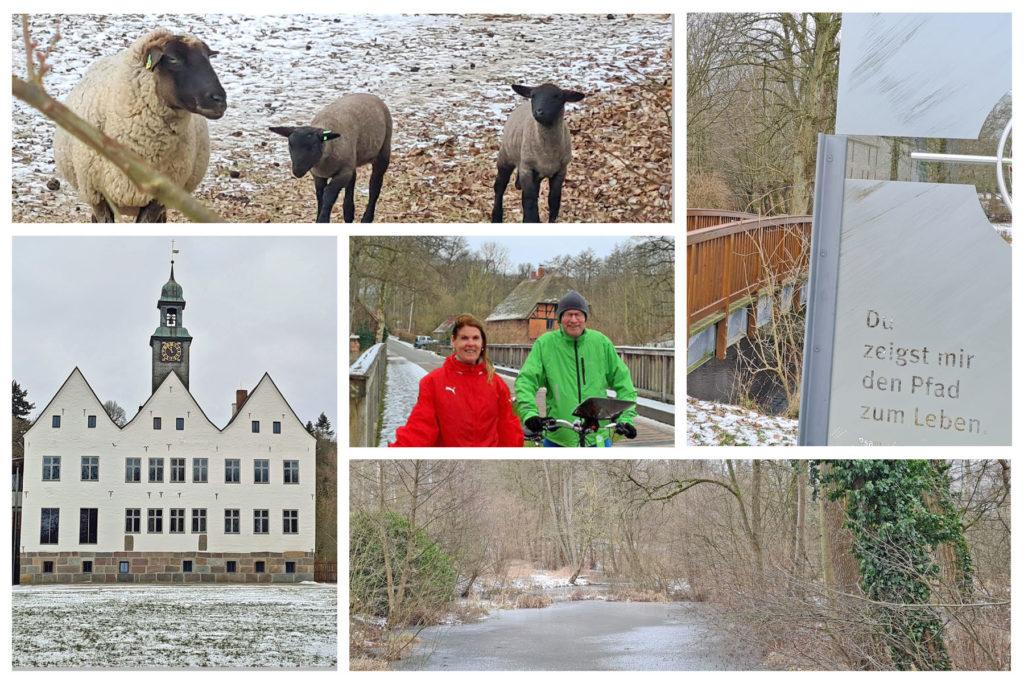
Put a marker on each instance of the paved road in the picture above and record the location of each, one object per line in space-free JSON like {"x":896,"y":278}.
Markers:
{"x":583,"y":636}
{"x":649,"y":432}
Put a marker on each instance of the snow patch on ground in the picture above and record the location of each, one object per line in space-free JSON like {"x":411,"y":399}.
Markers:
{"x":403,"y":388}
{"x":719,"y":424}
{"x":131,"y":627}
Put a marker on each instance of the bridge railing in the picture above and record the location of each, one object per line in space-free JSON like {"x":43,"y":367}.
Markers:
{"x":697,"y":219}
{"x":366,"y":384}
{"x":736,"y":259}
{"x":652,"y":368}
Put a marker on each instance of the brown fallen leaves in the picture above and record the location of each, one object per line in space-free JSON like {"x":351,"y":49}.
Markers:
{"x":621,"y":171}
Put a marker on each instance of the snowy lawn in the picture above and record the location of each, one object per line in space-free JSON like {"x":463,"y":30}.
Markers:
{"x":292,"y":627}
{"x":720,"y":424}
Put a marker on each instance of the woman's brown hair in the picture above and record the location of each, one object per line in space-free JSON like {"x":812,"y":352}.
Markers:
{"x":467,"y":320}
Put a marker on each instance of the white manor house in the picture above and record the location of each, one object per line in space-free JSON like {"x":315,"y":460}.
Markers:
{"x":169,"y":497}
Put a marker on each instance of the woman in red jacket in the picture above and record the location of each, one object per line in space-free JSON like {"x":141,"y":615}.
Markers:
{"x":462,"y":403}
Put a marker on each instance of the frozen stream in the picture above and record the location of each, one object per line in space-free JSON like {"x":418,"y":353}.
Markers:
{"x":583,"y":635}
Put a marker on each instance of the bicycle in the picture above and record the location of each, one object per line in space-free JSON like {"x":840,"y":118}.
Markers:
{"x":589,"y":416}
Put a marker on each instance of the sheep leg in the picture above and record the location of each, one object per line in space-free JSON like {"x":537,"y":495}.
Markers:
{"x":380,"y":165}
{"x":102,"y":213}
{"x":531,"y":191}
{"x":555,"y":195}
{"x":319,"y":184}
{"x":500,"y":183}
{"x":348,"y":207}
{"x":154,"y":212}
{"x":331,"y":192}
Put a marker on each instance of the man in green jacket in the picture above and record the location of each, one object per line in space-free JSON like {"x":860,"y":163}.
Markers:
{"x":573,"y":364}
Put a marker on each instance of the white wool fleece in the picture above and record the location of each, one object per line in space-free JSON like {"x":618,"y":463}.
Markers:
{"x":118,"y":96}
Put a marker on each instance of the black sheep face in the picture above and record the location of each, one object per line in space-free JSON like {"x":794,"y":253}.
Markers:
{"x":305,"y":145}
{"x":185,"y":79}
{"x":547,"y":101}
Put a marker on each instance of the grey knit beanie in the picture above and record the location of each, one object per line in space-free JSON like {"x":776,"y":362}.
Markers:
{"x":573,"y":301}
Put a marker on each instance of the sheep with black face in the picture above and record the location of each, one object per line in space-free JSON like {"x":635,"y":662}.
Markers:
{"x":535,"y":141}
{"x":153,"y":98}
{"x":350,"y":132}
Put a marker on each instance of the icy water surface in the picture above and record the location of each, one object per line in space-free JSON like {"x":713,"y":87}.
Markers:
{"x":584,"y":635}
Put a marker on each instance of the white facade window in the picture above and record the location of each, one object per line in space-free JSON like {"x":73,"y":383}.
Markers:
{"x":90,"y":468}
{"x":51,"y":468}
{"x":155,"y":521}
{"x":179,"y":424}
{"x":261,"y":521}
{"x":156,"y":469}
{"x":177,"y":470}
{"x":199,"y":470}
{"x":199,"y":520}
{"x":88,"y":520}
{"x":291,"y":521}
{"x":232,"y":520}
{"x":261,"y":471}
{"x":49,"y":525}
{"x":177,"y":520}
{"x":291,"y":471}
{"x":133,"y":470}
{"x":232,"y":471}
{"x":157,"y":423}
{"x":55,"y":422}
{"x":277,"y":427}
{"x":91,"y":422}
{"x":132,"y":520}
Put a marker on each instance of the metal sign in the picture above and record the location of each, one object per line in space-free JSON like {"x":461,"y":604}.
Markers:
{"x":908,"y":325}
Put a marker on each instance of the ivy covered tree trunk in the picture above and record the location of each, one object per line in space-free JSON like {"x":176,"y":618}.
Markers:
{"x":896,"y":535}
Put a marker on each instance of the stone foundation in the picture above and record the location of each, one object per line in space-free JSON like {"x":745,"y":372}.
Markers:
{"x":155,"y":567}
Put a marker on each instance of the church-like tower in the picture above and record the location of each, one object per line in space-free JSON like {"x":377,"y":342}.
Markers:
{"x":170,"y":342}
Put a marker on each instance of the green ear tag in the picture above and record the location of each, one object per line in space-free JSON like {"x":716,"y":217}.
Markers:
{"x":149,"y":62}
{"x":326,"y":133}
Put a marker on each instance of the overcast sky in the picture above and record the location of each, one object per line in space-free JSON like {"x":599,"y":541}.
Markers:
{"x":253,"y":305}
{"x":538,"y":250}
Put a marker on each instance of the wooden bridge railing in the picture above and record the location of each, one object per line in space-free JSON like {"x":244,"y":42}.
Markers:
{"x":651,"y":368}
{"x":697,"y":219}
{"x":733,"y":260}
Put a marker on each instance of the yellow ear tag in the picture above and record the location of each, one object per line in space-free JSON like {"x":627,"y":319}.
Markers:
{"x":149,"y":62}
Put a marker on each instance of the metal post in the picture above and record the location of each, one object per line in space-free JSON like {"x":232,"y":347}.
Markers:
{"x":816,"y":383}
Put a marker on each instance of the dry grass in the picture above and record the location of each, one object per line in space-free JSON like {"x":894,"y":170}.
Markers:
{"x":532,"y":602}
{"x":637,"y":595}
{"x":364,"y":664}
{"x":578,"y":595}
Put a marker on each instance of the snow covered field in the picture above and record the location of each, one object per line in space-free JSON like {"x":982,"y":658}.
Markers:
{"x":289,"y":627}
{"x":720,"y":424}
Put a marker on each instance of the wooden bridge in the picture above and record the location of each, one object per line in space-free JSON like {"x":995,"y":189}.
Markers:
{"x":739,"y":268}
